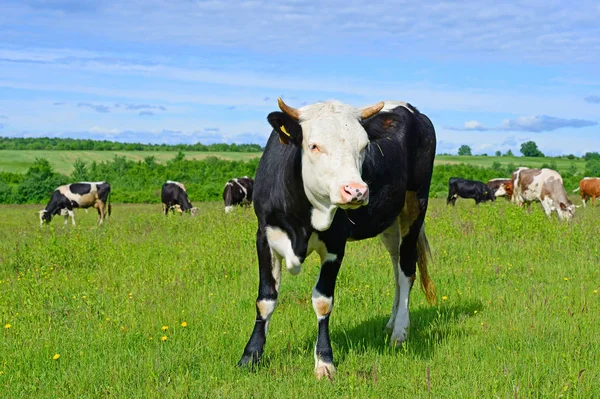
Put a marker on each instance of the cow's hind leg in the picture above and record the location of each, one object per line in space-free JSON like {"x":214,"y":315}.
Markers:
{"x":269,"y":264}
{"x":322,"y":301}
{"x":72,"y":214}
{"x":391,"y":239}
{"x":413,"y":247}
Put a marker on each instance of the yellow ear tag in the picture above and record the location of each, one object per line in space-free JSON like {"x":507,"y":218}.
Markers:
{"x":284,"y":131}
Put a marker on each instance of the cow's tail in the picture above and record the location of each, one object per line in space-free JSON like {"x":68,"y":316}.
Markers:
{"x":423,"y":258}
{"x":577,"y":189}
{"x":228,"y":197}
{"x":108,"y":206}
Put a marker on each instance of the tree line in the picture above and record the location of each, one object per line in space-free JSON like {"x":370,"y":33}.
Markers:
{"x":68,"y":144}
{"x":141,"y":181}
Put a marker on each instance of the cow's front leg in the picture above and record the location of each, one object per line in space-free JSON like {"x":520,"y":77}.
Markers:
{"x":322,"y":301}
{"x":269,"y":264}
{"x":72,"y":214}
{"x":391,"y":239}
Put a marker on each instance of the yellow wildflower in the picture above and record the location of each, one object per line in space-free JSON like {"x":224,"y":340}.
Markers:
{"x":163,"y":338}
{"x":56,"y":357}
{"x":7,"y":326}
{"x":184,"y":324}
{"x":444,"y":298}
{"x":566,"y":279}
{"x":165,"y":328}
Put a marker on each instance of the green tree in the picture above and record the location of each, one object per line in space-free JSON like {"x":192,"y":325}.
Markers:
{"x":498,"y":153}
{"x":530,"y":149}
{"x":509,"y":153}
{"x":80,"y":172}
{"x":464,"y":150}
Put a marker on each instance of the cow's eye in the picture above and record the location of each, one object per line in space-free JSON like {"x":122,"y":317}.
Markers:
{"x":314,"y":148}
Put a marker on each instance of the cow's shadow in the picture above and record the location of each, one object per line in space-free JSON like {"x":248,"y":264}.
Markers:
{"x":430,"y":328}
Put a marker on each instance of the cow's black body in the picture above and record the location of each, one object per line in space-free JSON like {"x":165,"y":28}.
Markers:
{"x":399,"y":159}
{"x":171,"y":195}
{"x":238,"y":192}
{"x":463,"y":188}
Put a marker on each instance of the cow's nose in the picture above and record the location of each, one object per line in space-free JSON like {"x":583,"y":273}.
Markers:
{"x":354,"y":192}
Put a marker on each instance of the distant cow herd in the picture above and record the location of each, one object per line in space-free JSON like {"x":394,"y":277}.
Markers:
{"x":524,"y":187}
{"x":173,"y":195}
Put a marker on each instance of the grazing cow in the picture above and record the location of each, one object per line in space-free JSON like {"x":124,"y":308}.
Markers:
{"x":544,"y":186}
{"x":589,"y":187}
{"x":238,"y":192}
{"x":78,"y":195}
{"x":464,"y":188}
{"x":311,"y":194}
{"x":501,"y":187}
{"x":174,"y":197}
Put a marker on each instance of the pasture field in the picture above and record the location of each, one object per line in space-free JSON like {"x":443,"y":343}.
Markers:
{"x":18,"y":161}
{"x":149,"y":306}
{"x":486,"y":162}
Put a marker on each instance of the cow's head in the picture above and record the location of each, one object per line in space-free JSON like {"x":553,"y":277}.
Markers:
{"x":193,"y":211}
{"x":333,"y":142}
{"x":565,"y":211}
{"x":45,"y":217}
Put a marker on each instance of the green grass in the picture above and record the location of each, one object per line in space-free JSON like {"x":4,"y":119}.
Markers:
{"x":517,"y":313}
{"x":561,"y":163}
{"x":17,"y":161}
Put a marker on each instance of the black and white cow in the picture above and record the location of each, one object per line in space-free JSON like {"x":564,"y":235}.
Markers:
{"x":331,"y":173}
{"x":464,"y":188}
{"x":78,"y":195}
{"x":174,"y":197}
{"x":238,"y":192}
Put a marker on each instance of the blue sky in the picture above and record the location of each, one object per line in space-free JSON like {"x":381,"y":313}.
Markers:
{"x":491,"y":75}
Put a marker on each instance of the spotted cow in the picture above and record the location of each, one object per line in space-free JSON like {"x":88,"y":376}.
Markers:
{"x":78,"y":195}
{"x":238,"y":192}
{"x":331,"y":173}
{"x":544,"y":186}
{"x":174,"y":198}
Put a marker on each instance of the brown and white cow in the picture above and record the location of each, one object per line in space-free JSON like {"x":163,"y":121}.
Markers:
{"x":589,"y":187}
{"x":502,"y":187}
{"x":544,"y":186}
{"x":78,"y":195}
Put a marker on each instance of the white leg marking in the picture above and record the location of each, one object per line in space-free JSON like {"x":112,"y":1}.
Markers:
{"x":583,"y":202}
{"x":276,"y":268}
{"x":323,"y":369}
{"x":266,"y":308}
{"x":391,"y":239}
{"x":72,"y":214}
{"x":281,"y":244}
{"x":323,"y":305}
{"x":402,"y":321}
{"x":228,"y":209}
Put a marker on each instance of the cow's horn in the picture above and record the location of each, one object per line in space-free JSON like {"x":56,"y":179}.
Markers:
{"x":292,"y":112}
{"x":372,"y":110}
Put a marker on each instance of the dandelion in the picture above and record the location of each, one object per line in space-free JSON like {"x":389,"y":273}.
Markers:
{"x":444,"y":298}
{"x":184,"y":324}
{"x":475,"y":311}
{"x":566,"y":279}
{"x":595,"y":291}
{"x":165,"y":328}
{"x":163,"y":338}
{"x":56,"y":357}
{"x":150,"y":338}
{"x":7,"y":326}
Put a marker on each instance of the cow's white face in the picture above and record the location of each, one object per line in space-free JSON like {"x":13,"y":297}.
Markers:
{"x":333,"y":151}
{"x":333,"y":144}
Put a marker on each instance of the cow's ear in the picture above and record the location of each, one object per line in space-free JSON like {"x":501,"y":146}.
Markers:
{"x":563,"y":206}
{"x":382,"y":125}
{"x":289,"y":129}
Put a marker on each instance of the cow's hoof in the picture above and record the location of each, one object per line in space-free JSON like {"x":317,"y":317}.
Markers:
{"x":323,"y":369}
{"x":398,"y":339}
{"x":249,"y":360}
